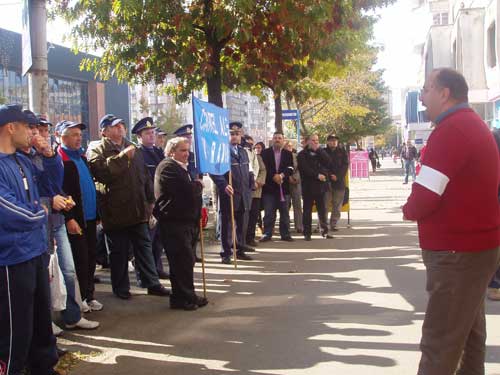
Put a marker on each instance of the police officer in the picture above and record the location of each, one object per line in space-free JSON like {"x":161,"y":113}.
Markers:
{"x":146,"y":135}
{"x":241,"y":190}
{"x":186,"y":131}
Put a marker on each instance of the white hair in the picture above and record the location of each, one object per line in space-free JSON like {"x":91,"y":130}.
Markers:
{"x":173,"y":143}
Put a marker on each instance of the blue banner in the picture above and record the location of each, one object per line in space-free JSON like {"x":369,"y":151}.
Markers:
{"x":211,"y":137}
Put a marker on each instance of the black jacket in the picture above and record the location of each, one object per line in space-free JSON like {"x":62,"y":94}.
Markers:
{"x":71,"y":186}
{"x":178,"y":197}
{"x":125,"y":187}
{"x":286,"y":167}
{"x":311,"y":164}
{"x":339,"y":166}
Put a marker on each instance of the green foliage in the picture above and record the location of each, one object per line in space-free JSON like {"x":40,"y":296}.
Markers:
{"x":223,"y":44}
{"x":355,"y":106}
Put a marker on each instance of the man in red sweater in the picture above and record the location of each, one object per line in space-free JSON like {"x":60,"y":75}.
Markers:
{"x":455,"y":203}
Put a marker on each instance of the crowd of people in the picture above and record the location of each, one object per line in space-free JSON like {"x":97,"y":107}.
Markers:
{"x":60,"y":201}
{"x":149,"y":201}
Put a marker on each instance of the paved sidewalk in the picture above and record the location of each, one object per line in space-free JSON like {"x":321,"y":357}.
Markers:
{"x":351,"y":305}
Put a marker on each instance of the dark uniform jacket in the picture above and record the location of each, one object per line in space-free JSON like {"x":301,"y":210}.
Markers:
{"x":152,"y":157}
{"x":242,"y":179}
{"x":286,"y":167}
{"x":339,"y":166}
{"x":311,"y":164}
{"x":178,"y":196}
{"x":124,"y":186}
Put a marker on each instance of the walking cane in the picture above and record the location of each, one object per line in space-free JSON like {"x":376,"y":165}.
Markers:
{"x":233,"y":229}
{"x":203,"y":260}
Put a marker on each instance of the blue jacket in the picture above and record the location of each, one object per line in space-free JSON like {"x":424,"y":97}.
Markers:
{"x":22,"y":219}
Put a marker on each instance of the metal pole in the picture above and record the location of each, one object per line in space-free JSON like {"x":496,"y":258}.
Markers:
{"x":298,"y":129}
{"x":233,"y":229}
{"x":38,"y":77}
{"x":202,"y":247}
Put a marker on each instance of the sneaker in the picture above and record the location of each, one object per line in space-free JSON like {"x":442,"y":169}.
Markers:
{"x":131,"y":267}
{"x":56,"y":329}
{"x":326,"y":235}
{"x":493,"y":294}
{"x":85,"y":308}
{"x":83,"y":324}
{"x":95,"y":305}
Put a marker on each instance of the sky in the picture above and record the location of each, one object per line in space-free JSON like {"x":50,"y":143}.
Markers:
{"x":398,"y":30}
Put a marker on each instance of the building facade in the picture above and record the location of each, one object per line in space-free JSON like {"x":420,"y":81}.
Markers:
{"x":73,"y":94}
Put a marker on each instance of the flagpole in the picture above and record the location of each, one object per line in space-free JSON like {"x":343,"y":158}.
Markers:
{"x":233,"y":229}
{"x":202,"y":248}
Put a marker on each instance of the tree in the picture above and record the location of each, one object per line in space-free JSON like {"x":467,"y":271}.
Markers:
{"x":218,"y":43}
{"x":355,"y":106}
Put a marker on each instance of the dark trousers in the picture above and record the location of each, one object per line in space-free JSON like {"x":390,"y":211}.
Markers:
{"x":309,"y":200}
{"x":26,"y":338}
{"x":119,"y":242}
{"x":454,"y":329}
{"x":179,"y":241}
{"x":253,"y":217}
{"x":226,"y":227}
{"x":157,"y":246}
{"x":83,"y":248}
{"x":271,"y":203}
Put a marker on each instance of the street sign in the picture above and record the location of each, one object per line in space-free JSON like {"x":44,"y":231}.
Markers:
{"x":419,"y":141}
{"x":290,"y":114}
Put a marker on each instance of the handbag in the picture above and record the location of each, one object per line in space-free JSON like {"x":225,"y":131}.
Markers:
{"x":58,"y":292}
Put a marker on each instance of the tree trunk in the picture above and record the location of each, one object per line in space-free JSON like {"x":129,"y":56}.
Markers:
{"x":214,"y":81}
{"x":278,"y":121}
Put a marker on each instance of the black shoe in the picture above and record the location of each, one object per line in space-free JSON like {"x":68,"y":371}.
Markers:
{"x":334,"y":229}
{"x":123,"y":295}
{"x":287,"y":239}
{"x":405,"y":183}
{"x":307,"y":237}
{"x":188,"y":306}
{"x":252,"y":243}
{"x":97,"y":280}
{"x":197,"y":259}
{"x":265,"y":239}
{"x":226,"y":260}
{"x":326,"y":235}
{"x":201,"y":301}
{"x":158,"y":290}
{"x":242,"y":256}
{"x":246,"y":248}
{"x":162,"y":275}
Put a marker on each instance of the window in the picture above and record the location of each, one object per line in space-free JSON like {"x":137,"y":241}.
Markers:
{"x":491,"y":50}
{"x":440,"y":18}
{"x":13,"y":87}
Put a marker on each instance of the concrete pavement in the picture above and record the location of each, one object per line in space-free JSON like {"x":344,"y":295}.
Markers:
{"x":351,"y":305}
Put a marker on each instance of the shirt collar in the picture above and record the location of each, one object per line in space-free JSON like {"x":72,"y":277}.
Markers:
{"x":451,"y":110}
{"x":183,"y":165}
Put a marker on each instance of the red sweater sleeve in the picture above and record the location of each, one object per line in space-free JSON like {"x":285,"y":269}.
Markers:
{"x":446,"y":153}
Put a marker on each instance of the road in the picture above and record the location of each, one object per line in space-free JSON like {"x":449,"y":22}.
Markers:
{"x":350,"y":305}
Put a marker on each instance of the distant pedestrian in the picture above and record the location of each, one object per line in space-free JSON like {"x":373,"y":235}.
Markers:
{"x":276,"y":191}
{"x":260,"y":180}
{"x":314,"y":167}
{"x":373,"y":156}
{"x":295,"y":190}
{"x":409,"y":156}
{"x":337,"y":188}
{"x":455,"y":203}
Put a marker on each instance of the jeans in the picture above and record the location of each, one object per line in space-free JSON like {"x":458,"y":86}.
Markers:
{"x":409,"y":168}
{"x":271,"y":203}
{"x":72,"y":313}
{"x":335,"y":198}
{"x":495,"y":281}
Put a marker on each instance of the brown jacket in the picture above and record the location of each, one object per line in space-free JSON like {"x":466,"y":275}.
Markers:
{"x":125,"y":189}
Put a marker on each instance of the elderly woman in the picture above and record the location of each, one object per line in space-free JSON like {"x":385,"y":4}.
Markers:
{"x":178,"y":210}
